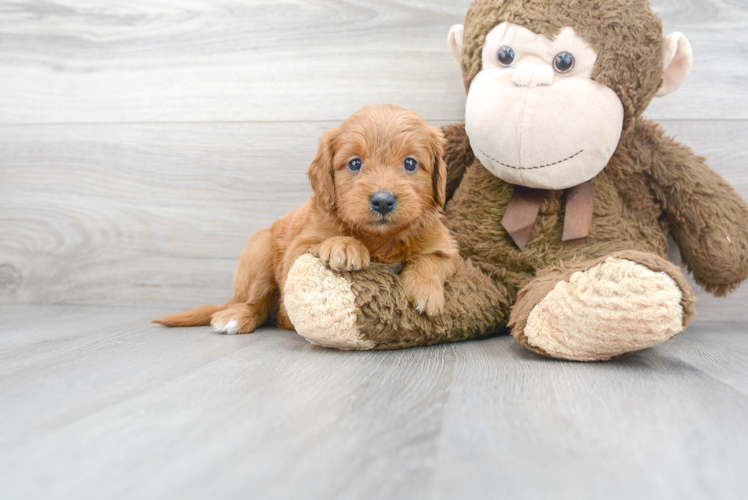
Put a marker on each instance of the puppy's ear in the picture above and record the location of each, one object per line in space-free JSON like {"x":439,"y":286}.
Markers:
{"x":321,"y":171}
{"x":437,"y":141}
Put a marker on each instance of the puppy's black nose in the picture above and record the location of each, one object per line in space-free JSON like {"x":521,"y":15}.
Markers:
{"x":383,"y":202}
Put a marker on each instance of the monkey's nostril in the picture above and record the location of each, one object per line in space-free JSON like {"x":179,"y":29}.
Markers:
{"x":383,"y":202}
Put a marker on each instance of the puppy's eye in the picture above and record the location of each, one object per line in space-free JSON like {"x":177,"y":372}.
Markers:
{"x":354,"y":165}
{"x":563,"y":62}
{"x":410,"y":165}
{"x":506,"y":56}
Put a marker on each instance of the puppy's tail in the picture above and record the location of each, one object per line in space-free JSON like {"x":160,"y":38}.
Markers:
{"x":199,"y":316}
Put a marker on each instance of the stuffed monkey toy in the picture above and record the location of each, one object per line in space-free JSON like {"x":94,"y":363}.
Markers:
{"x":562,"y":196}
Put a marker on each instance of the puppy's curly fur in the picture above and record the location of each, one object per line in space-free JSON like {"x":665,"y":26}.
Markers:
{"x":340,"y":225}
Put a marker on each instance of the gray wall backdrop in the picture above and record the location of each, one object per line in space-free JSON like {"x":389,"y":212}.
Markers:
{"x":142,"y":142}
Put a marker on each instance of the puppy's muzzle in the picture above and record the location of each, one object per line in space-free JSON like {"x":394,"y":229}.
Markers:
{"x":383,"y":202}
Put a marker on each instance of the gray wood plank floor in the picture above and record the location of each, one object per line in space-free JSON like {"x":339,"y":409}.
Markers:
{"x":97,"y":403}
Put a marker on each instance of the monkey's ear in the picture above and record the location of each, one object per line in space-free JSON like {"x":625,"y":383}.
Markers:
{"x":321,"y":172}
{"x":437,"y":141}
{"x":677,"y":60}
{"x":455,"y":41}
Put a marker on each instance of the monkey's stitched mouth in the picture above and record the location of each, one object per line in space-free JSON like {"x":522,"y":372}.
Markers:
{"x":532,"y":168}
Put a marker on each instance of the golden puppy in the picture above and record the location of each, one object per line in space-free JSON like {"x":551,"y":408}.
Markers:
{"x":379,"y":184}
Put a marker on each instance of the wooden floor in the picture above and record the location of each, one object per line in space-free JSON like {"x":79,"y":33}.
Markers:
{"x":98,"y":403}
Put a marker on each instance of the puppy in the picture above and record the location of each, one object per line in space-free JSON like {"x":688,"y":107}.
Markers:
{"x":379,"y":185}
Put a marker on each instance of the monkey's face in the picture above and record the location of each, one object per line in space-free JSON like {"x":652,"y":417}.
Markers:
{"x":534,"y":115}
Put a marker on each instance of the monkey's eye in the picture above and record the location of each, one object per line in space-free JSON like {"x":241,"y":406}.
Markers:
{"x":354,"y":165}
{"x":410,"y":165}
{"x":563,"y":62}
{"x":506,"y":56}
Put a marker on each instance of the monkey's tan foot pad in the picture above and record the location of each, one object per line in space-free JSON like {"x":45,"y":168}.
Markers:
{"x":615,"y":307}
{"x":322,"y":306}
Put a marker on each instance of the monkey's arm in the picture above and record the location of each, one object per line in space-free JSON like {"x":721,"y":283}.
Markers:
{"x":369,"y":309}
{"x":457,"y":155}
{"x":708,"y":219}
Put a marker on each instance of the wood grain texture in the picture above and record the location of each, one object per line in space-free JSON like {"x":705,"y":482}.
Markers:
{"x":99,"y":404}
{"x":65,"y":61}
{"x":126,"y":211}
{"x":159,"y":213}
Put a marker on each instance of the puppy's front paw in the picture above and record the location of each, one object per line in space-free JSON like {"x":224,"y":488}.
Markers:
{"x":425,"y":295}
{"x":343,"y":253}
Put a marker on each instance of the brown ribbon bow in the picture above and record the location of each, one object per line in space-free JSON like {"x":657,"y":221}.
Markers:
{"x":524,"y":205}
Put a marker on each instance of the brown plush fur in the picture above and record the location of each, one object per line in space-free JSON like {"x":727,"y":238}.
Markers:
{"x":458,"y":155}
{"x":652,"y":187}
{"x":339,"y":226}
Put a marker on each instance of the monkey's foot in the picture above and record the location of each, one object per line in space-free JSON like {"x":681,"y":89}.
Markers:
{"x":619,"y":304}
